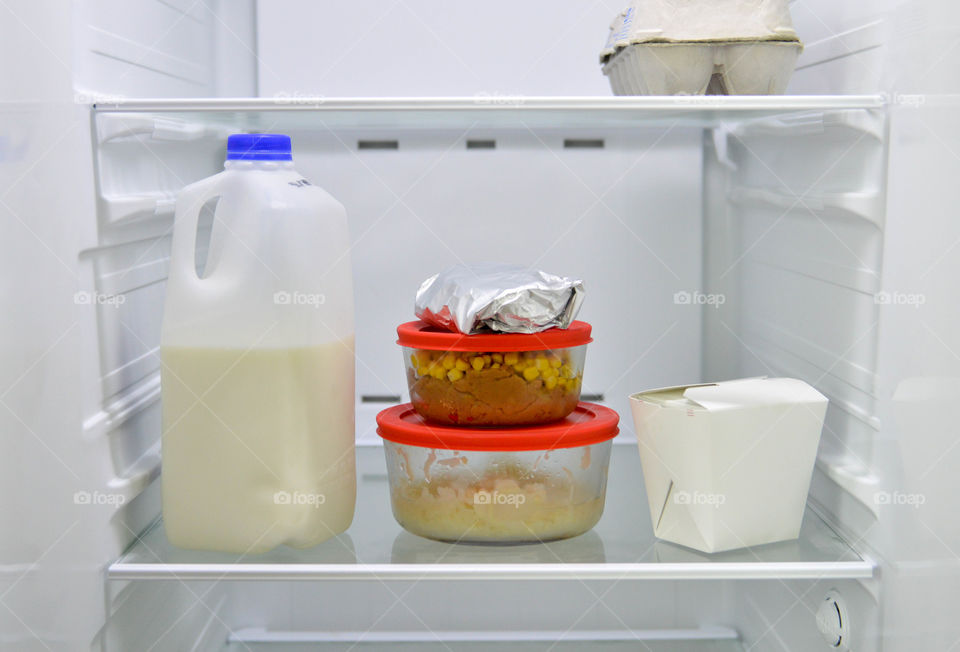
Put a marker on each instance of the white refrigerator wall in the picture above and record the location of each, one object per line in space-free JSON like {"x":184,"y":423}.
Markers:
{"x":173,"y":48}
{"x":919,"y":340}
{"x":423,"y":48}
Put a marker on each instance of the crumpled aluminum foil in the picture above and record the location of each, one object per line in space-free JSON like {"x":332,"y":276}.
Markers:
{"x":494,"y":296}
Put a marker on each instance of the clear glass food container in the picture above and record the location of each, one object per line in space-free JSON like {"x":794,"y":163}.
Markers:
{"x":494,"y":379}
{"x":527,"y":484}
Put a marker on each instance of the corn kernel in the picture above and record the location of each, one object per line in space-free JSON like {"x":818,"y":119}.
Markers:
{"x":518,"y":368}
{"x":562,"y":382}
{"x":477,"y":363}
{"x":423,"y":370}
{"x":461,"y":364}
{"x":487,"y":359}
{"x":497,"y":357}
{"x":447,"y":361}
{"x":566,"y":372}
{"x":413,"y":360}
{"x":511,"y":358}
{"x":549,"y":372}
{"x":555,"y":362}
{"x":437,"y":372}
{"x":531,"y":373}
{"x":454,"y":375}
{"x":551,"y":382}
{"x":542,"y":363}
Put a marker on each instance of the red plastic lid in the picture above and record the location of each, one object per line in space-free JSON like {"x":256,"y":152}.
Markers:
{"x":587,"y":424}
{"x":421,"y":335}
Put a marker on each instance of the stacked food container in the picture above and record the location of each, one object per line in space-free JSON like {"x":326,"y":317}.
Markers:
{"x":495,"y":445}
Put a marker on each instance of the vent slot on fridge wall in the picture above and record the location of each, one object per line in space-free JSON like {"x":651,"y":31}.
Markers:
{"x":794,"y":226}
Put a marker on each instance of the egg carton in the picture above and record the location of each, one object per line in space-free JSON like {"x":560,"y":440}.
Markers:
{"x":693,"y":47}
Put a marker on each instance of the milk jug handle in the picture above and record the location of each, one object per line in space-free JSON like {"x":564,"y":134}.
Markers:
{"x":190,"y":201}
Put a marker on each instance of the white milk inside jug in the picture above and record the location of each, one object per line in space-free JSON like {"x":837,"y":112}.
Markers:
{"x":257,"y":361}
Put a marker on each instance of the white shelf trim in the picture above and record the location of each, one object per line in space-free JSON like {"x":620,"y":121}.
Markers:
{"x":678,"y":103}
{"x":398,"y":572}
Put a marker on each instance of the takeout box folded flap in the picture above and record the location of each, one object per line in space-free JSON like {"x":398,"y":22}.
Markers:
{"x":752,"y":392}
{"x":670,"y":472}
{"x":656,"y":447}
{"x":679,"y":525}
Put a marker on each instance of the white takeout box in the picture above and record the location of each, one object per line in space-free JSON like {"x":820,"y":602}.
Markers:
{"x":728,"y":465}
{"x":692,"y":47}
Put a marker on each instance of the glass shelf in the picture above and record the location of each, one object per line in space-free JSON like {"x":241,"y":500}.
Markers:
{"x":479,"y":112}
{"x":621,"y":546}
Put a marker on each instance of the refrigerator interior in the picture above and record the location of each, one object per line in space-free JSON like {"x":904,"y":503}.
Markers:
{"x":820,"y":218}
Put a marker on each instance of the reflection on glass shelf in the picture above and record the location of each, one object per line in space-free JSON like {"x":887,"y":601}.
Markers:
{"x":621,"y":546}
{"x":280,"y":114}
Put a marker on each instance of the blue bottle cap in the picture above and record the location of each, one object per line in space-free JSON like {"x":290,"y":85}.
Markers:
{"x":258,"y":147}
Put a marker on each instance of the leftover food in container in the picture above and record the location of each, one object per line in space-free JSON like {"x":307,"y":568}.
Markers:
{"x":535,"y":483}
{"x":494,"y":379}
